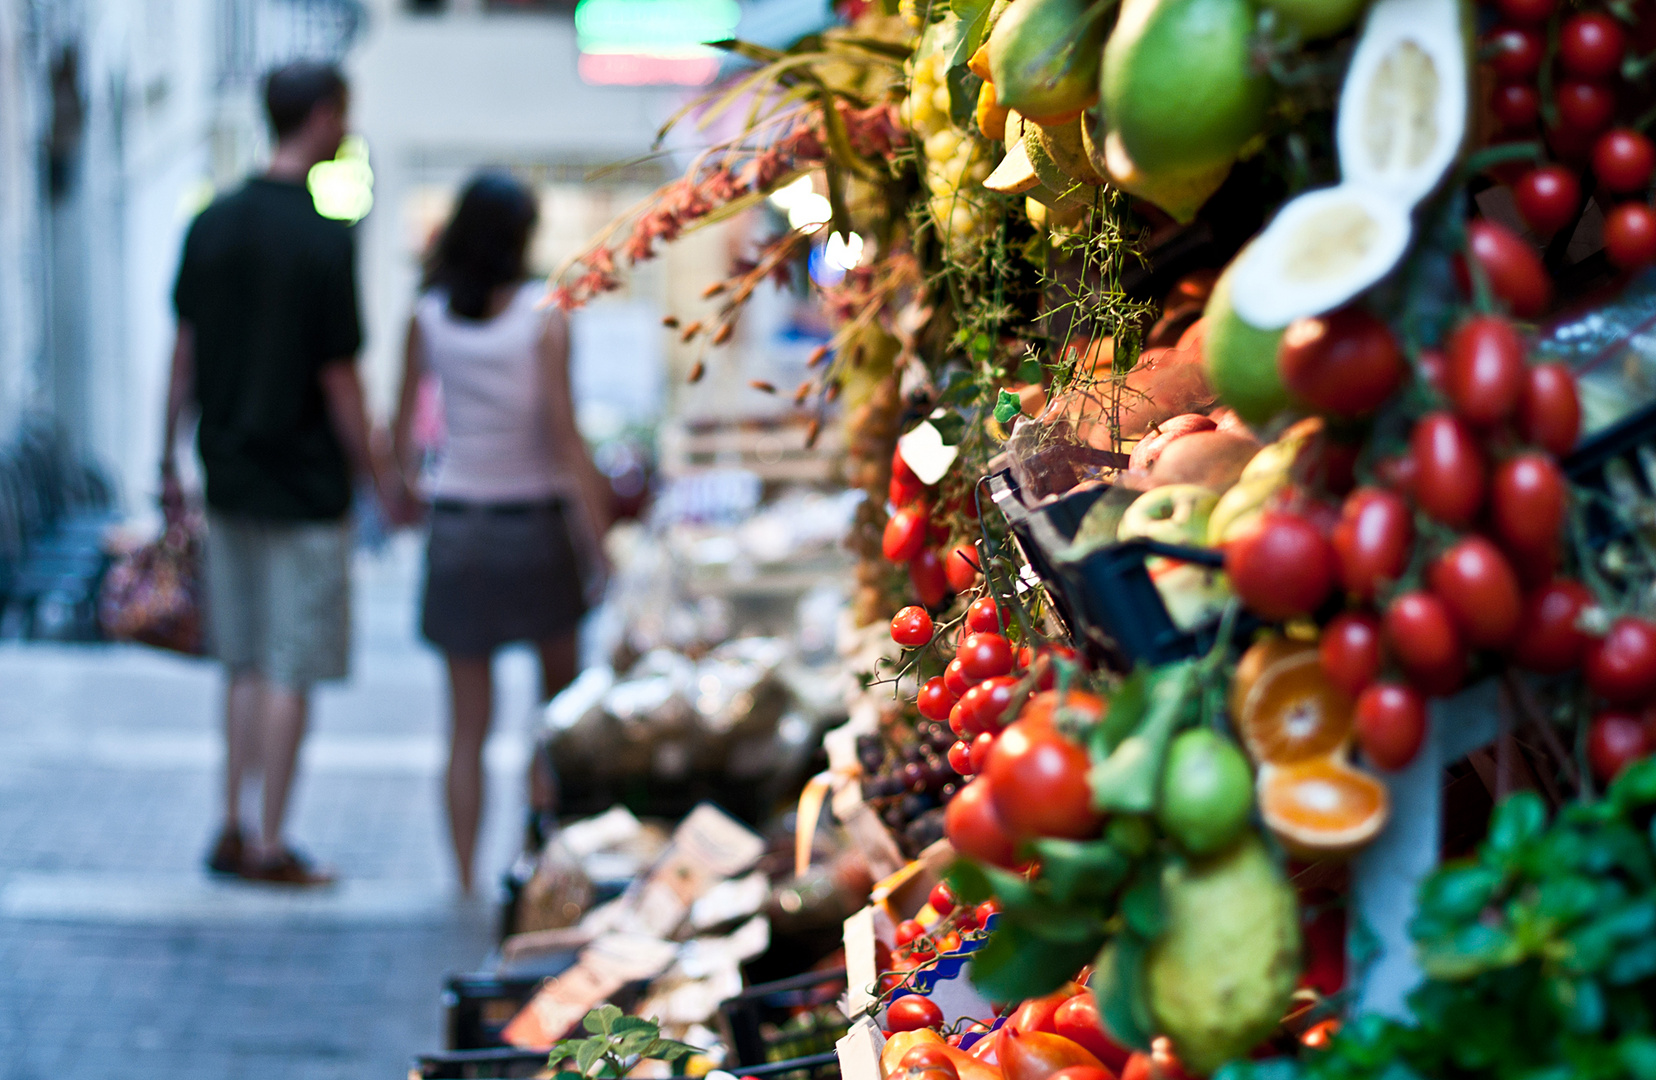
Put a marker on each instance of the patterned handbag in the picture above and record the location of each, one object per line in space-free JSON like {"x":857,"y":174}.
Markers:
{"x":153,"y":595}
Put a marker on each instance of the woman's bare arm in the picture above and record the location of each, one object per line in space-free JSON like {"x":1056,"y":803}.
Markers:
{"x":402,"y":429}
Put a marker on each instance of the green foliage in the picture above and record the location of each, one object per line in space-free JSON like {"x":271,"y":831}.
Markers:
{"x":615,"y":1044}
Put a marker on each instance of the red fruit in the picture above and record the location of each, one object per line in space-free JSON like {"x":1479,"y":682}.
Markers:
{"x":1630,"y":235}
{"x":1477,"y":583}
{"x":1038,"y":1055}
{"x":961,"y":568}
{"x":911,"y":1012}
{"x":1621,"y":667}
{"x":1391,"y":724}
{"x":909,"y":930}
{"x":1039,"y":778}
{"x":1077,"y":1019}
{"x":1082,"y":1072}
{"x":1449,"y":469}
{"x":1399,"y":473}
{"x":956,"y":680}
{"x":926,"y":574}
{"x":1350,"y":651}
{"x":987,"y":704}
{"x":905,"y":492}
{"x":1513,"y":268}
{"x":983,"y":656}
{"x":1549,"y":412}
{"x":1623,"y":160}
{"x":1548,"y":198}
{"x":905,"y":535}
{"x":1036,"y":1014}
{"x":1584,"y":108}
{"x":974,"y":827}
{"x":1484,"y":371}
{"x":960,"y":758}
{"x":1372,"y":540}
{"x":980,"y":750}
{"x":942,"y":898}
{"x":1548,"y":639}
{"x":1281,"y":569}
{"x":984,"y":910}
{"x":1591,"y":46}
{"x":911,"y":627}
{"x":1614,"y":741}
{"x":1516,"y":105}
{"x":927,"y":1056}
{"x":1516,"y":52}
{"x":1421,"y":633}
{"x":935,"y":700}
{"x":1148,"y":449}
{"x":1526,"y":503}
{"x":1346,"y":362}
{"x":1527,"y":12}
{"x":984,"y":616}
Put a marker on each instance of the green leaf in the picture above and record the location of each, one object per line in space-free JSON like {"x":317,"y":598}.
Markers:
{"x":1081,"y":870}
{"x":1635,"y":787}
{"x":964,"y":88}
{"x":589,"y":1053}
{"x":1015,"y":964}
{"x":1638,"y":1055}
{"x":636,"y":1041}
{"x":1118,"y":987}
{"x":670,"y":1050}
{"x":1633,"y":964}
{"x":634,"y":1023}
{"x":974,"y":16}
{"x":969,"y":883}
{"x":1007,"y":407}
{"x":1455,"y":894}
{"x":1517,"y":823}
{"x":1127,"y":781}
{"x":1126,"y":712}
{"x":566,"y":1074}
{"x":1582,"y":1002}
{"x":1469,"y":951}
{"x":1141,"y":904}
{"x":951,"y":428}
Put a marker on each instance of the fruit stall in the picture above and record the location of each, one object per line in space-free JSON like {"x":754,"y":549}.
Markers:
{"x":1254,"y":406}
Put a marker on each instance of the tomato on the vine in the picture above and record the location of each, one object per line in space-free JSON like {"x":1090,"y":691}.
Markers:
{"x":1549,"y":412}
{"x":1516,"y":51}
{"x":956,"y":680}
{"x":1591,"y":45}
{"x":904,"y":536}
{"x":931,"y":585}
{"x":1345,"y":362}
{"x":1449,"y":469}
{"x":908,"y":931}
{"x":960,"y":758}
{"x":1584,"y":108}
{"x":1349,"y":651}
{"x":984,"y":655}
{"x":1372,"y":540}
{"x":1621,"y":666}
{"x":1526,"y":503}
{"x":1390,"y":724}
{"x":984,"y":616}
{"x":1421,"y":633}
{"x":984,"y":706}
{"x":1548,"y":639}
{"x":961,"y":567}
{"x":1513,"y":268}
{"x":911,"y":1012}
{"x":1478,"y":584}
{"x":911,"y":627}
{"x":942,"y":898}
{"x":1528,"y":12}
{"x":1516,"y":104}
{"x":1484,"y":371}
{"x":935,"y":699}
{"x":1623,"y":160}
{"x":1039,"y":780}
{"x":1630,"y":235}
{"x":974,"y":826}
{"x":1548,"y":198}
{"x":1282,"y":568}
{"x":1615,"y":740}
{"x":980,"y":750}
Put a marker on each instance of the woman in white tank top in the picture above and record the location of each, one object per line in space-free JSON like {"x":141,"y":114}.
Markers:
{"x":516,"y":503}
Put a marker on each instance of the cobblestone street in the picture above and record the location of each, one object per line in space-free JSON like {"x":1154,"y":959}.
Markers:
{"x":120,"y":958}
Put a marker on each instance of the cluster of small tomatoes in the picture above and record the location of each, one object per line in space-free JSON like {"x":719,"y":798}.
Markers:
{"x":913,"y":538}
{"x":917,"y":946}
{"x":1591,"y":48}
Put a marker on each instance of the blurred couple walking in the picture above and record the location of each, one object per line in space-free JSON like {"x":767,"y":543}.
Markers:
{"x":265,"y":362}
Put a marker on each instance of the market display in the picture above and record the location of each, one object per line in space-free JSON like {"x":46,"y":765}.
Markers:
{"x":1254,"y":409}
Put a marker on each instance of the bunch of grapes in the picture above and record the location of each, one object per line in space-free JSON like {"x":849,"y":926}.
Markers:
{"x":908,"y":785}
{"x":956,"y":161}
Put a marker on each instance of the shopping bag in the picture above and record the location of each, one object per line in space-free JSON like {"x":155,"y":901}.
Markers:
{"x":153,"y":594}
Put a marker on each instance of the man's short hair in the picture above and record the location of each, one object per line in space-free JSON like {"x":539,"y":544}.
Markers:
{"x":294,"y":90}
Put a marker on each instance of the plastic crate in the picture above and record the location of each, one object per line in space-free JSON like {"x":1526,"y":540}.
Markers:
{"x":747,"y":1015}
{"x":477,"y":1006}
{"x":478,"y":1064}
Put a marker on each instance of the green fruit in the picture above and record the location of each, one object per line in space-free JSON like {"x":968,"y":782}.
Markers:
{"x":1220,"y":975}
{"x":1207,"y":792}
{"x":1317,"y":18}
{"x":1178,"y":84}
{"x":1172,"y":513}
{"x":1241,"y":359}
{"x":1043,"y":56}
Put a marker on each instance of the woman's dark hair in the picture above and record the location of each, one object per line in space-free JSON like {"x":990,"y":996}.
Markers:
{"x":484,"y":245}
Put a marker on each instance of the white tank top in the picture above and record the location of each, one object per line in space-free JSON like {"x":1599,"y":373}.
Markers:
{"x":494,"y":401}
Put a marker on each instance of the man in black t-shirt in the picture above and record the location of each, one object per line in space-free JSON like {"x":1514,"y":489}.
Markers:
{"x":268,"y":333}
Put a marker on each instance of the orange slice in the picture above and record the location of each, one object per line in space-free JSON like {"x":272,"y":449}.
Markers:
{"x":1322,"y":807}
{"x":1292,"y":712}
{"x":1260,"y":656}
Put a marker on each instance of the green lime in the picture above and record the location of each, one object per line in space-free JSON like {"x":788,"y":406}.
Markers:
{"x":1207,"y":792}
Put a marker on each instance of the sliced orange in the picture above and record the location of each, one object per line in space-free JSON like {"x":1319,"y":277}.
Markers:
{"x":1260,"y":656}
{"x":1292,"y":712}
{"x":1322,"y":807}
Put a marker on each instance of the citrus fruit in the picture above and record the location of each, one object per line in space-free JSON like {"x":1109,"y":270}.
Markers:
{"x":1255,"y":660}
{"x":1044,"y":56}
{"x":1321,"y":806}
{"x":1316,"y":18}
{"x":1293,"y":712}
{"x":1181,"y":193}
{"x":1241,"y":358}
{"x":1207,"y":792}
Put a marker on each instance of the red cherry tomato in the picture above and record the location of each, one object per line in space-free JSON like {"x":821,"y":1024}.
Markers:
{"x":1548,"y":198}
{"x":1281,"y":569}
{"x":1516,"y":52}
{"x":948,"y":943}
{"x":1614,"y":741}
{"x":1526,"y":502}
{"x":980,"y":750}
{"x":1548,"y":639}
{"x":1621,"y":667}
{"x":1350,"y":651}
{"x":1514,"y":270}
{"x":909,"y":930}
{"x":985,"y":617}
{"x":960,"y":758}
{"x":984,"y":706}
{"x":983,"y":656}
{"x":1478,"y":584}
{"x":1584,"y":108}
{"x":1527,"y":12}
{"x":1623,"y":160}
{"x":942,"y":898}
{"x":962,"y":568}
{"x":974,"y":826}
{"x":1421,"y":633}
{"x":1516,"y":105}
{"x":905,"y":491}
{"x":955,"y":679}
{"x":1039,"y":778}
{"x":1077,"y":1019}
{"x":1591,"y":46}
{"x":1390,"y":724}
{"x":911,"y":1012}
{"x":935,"y":699}
{"x":1483,"y":374}
{"x":1372,"y":540}
{"x":911,"y":627}
{"x":1346,"y":362}
{"x":984,"y":910}
{"x":1449,"y":469}
{"x":926,"y":574}
{"x":905,"y":535}
{"x":1630,"y":235}
{"x":1549,"y":412}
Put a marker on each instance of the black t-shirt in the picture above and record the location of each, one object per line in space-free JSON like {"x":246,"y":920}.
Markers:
{"x":269,"y":287}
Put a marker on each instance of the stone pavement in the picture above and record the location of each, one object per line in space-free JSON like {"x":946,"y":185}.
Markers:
{"x":119,"y":958}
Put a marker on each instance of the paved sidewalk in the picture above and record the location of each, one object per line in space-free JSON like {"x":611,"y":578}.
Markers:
{"x":119,"y":958}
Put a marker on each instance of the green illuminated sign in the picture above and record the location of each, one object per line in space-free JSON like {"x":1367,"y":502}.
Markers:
{"x":653,"y":27}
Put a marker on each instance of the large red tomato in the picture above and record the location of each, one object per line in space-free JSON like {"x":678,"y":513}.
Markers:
{"x":1391,"y":724}
{"x":1449,"y":469}
{"x":1039,"y":780}
{"x":1349,"y":650}
{"x":1614,"y":741}
{"x":926,"y":574}
{"x":1621,"y":667}
{"x":975,"y":829}
{"x":1548,"y":198}
{"x":1281,"y":569}
{"x":1484,"y":372}
{"x":904,"y":537}
{"x":1526,"y":503}
{"x":1037,"y":1055}
{"x":1477,"y":583}
{"x":1548,"y":639}
{"x":1372,"y":540}
{"x":911,"y":1012}
{"x":1346,"y":362}
{"x":1549,"y":412}
{"x":1421,"y":633}
{"x":1513,"y":268}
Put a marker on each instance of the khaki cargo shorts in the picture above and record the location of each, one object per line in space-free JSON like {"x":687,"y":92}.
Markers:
{"x":279,"y":598}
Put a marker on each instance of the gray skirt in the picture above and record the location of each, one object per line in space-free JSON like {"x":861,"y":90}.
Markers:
{"x":498,"y":573}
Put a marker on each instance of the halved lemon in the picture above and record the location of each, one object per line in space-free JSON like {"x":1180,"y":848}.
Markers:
{"x":1322,"y":806}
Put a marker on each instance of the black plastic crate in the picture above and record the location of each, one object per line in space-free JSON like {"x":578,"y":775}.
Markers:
{"x":748,"y":1015}
{"x":477,"y":1007}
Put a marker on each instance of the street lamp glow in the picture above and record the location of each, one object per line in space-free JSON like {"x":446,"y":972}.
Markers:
{"x":843,"y":251}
